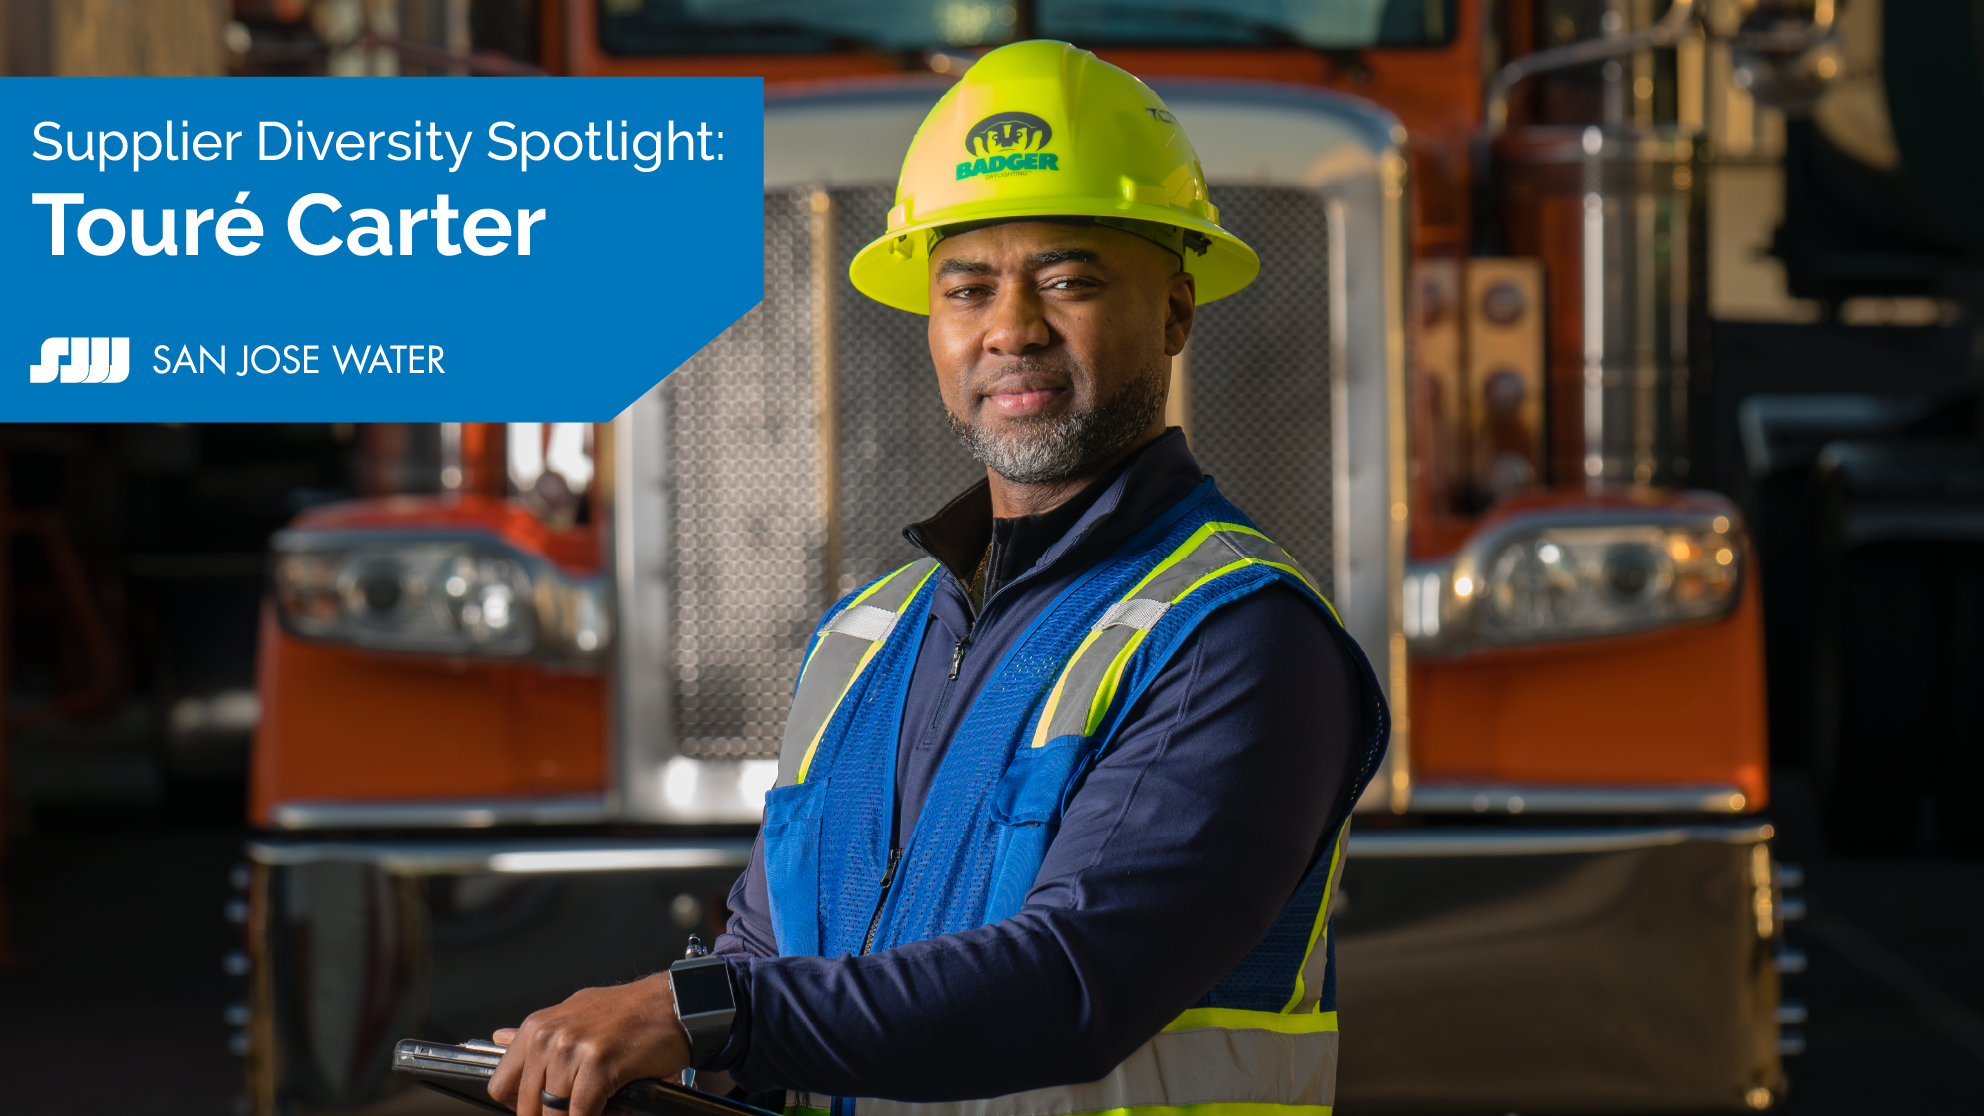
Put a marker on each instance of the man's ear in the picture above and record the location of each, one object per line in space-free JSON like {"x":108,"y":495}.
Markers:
{"x":1181,"y":308}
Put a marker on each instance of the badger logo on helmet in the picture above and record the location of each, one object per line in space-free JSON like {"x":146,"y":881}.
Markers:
{"x":1008,"y":143}
{"x":1114,"y":151}
{"x":1005,"y":133}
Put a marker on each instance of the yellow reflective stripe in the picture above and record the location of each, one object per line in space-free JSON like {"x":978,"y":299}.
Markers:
{"x":1242,"y":529}
{"x":1054,"y":695}
{"x":1105,"y":690}
{"x":806,"y":761}
{"x":1304,"y":578}
{"x":1105,"y":693}
{"x":1205,"y":531}
{"x":1319,"y":931}
{"x":859,"y":597}
{"x":803,"y":1110}
{"x":1236,"y":564}
{"x":1246,"y":1061}
{"x":1241,"y":1019}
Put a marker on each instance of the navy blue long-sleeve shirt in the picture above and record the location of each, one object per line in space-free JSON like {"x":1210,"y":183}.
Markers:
{"x":1172,"y":860}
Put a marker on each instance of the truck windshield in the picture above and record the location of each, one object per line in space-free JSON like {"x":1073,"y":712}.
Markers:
{"x":1323,"y":24}
{"x":791,"y":26}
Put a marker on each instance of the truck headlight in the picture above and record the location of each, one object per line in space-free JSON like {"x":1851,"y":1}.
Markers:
{"x":1572,"y":575}
{"x":452,"y":595}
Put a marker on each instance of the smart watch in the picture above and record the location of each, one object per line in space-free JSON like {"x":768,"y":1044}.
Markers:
{"x":705,"y":1003}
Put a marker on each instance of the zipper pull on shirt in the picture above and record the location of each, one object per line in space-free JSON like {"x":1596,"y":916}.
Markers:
{"x":957,"y":657}
{"x":888,"y":880}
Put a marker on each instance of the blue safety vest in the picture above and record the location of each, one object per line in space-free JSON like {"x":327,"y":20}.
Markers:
{"x":1266,"y":1033}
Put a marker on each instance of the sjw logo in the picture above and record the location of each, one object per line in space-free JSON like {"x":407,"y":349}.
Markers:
{"x":92,"y":360}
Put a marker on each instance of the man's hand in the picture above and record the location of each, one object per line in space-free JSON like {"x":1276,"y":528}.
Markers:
{"x":590,"y":1046}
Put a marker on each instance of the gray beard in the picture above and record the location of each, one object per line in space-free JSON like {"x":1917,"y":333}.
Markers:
{"x":1054,"y":448}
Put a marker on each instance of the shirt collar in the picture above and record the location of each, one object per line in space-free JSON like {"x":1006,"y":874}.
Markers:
{"x":1107,"y":511}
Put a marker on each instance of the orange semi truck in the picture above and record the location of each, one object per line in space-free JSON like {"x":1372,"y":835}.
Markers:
{"x":517,"y":730}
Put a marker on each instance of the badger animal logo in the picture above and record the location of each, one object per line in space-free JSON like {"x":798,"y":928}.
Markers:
{"x":1007,"y":133}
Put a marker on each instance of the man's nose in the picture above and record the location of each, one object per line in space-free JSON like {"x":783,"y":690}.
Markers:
{"x":1018,"y":324}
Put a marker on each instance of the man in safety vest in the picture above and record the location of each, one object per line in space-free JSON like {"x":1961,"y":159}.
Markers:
{"x":1060,"y":806}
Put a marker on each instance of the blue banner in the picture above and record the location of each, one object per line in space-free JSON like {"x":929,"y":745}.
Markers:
{"x":331,"y":249}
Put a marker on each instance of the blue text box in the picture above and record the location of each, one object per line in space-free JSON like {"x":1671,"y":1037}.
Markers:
{"x":351,"y":250}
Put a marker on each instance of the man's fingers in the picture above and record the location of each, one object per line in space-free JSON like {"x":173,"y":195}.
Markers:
{"x":586,"y":1048}
{"x":529,"y":1087}
{"x":564,"y":1059}
{"x":503,"y":1084}
{"x":591,"y":1089}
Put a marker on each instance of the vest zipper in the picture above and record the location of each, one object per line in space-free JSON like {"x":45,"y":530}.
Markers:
{"x":957,"y":656}
{"x":888,"y":878}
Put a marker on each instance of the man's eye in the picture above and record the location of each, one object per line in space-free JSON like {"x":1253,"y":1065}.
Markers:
{"x":1069,"y":283}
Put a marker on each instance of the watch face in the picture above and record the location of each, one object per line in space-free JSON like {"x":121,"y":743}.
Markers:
{"x":702,"y":988}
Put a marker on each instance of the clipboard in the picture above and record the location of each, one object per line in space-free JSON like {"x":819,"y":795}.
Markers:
{"x":463,"y":1072}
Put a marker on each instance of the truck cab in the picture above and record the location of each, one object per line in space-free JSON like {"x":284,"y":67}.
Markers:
{"x":518,"y":727}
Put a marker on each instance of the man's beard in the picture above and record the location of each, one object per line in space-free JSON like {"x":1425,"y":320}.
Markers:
{"x":1055,"y":447}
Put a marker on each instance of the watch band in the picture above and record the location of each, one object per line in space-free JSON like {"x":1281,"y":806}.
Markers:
{"x":708,"y":1029}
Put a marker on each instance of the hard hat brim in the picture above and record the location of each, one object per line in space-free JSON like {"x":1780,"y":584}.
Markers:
{"x":894,"y":269}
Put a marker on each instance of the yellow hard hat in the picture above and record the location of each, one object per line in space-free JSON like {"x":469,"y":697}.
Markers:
{"x":1045,"y":129}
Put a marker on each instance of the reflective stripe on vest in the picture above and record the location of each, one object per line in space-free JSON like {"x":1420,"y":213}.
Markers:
{"x":1309,"y":979}
{"x":842,"y":651}
{"x":1087,"y":687}
{"x":1214,"y":1061}
{"x":1263,"y":1042}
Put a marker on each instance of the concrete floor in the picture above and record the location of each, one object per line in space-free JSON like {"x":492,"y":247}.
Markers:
{"x":118,"y":1005}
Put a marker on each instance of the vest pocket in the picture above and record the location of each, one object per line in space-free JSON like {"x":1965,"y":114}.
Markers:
{"x":1026,"y":813}
{"x":792,"y":865}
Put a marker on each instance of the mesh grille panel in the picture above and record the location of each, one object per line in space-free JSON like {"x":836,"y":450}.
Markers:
{"x":1260,"y":375}
{"x":749,"y":539}
{"x":899,"y":460}
{"x":748,"y":533}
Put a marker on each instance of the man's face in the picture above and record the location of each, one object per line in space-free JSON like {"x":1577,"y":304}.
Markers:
{"x":1053,"y":343}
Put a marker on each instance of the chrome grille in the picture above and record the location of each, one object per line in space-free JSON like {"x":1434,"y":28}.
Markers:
{"x":749,"y":534}
{"x":1260,"y":371}
{"x":899,"y":460}
{"x":747,"y":526}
